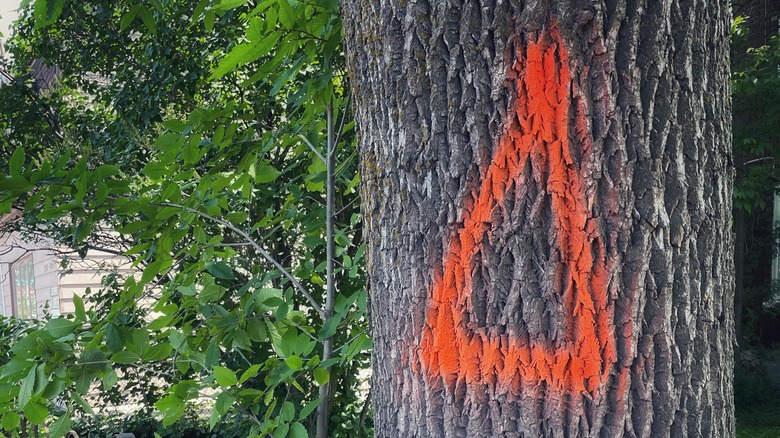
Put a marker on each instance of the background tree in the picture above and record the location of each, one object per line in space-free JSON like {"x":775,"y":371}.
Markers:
{"x":547,"y":195}
{"x":755,"y":61}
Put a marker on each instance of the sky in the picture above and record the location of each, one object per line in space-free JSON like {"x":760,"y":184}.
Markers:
{"x":7,"y":16}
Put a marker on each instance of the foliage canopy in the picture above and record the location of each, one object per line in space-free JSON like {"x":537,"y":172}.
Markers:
{"x":192,"y":139}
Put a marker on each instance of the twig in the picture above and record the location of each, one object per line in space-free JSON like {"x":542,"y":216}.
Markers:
{"x":343,"y":120}
{"x":312,"y":147}
{"x":756,"y":160}
{"x":258,"y":248}
{"x":363,"y":413}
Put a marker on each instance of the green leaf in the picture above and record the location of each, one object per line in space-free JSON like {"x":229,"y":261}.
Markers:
{"x":26,"y":388}
{"x":148,"y":18}
{"x":82,"y":403}
{"x":114,"y":340}
{"x":158,"y":5}
{"x":249,"y":373}
{"x":214,"y":418}
{"x":54,"y":388}
{"x":256,"y":330}
{"x":158,"y":353}
{"x":187,"y":291}
{"x":176,"y":339}
{"x":19,"y":185}
{"x":40,"y":379}
{"x":128,"y":17}
{"x":309,"y":408}
{"x":172,"y":408}
{"x":225,"y":377}
{"x":103,"y":172}
{"x":211,"y":292}
{"x":125,"y":357}
{"x":281,"y":431}
{"x":101,"y":193}
{"x":139,"y":340}
{"x":286,"y":14}
{"x":36,"y":412}
{"x":267,"y":174}
{"x":109,"y":380}
{"x":47,"y":12}
{"x":224,"y":402}
{"x":224,"y":5}
{"x":132,"y":228}
{"x":243,"y":54}
{"x":237,"y":217}
{"x":329,"y":328}
{"x":59,"y":327}
{"x":10,"y":420}
{"x":92,"y":357}
{"x":174,"y":125}
{"x":321,"y":375}
{"x":151,"y":271}
{"x":288,"y":412}
{"x":8,"y":392}
{"x":16,"y":164}
{"x":209,"y":19}
{"x":362,"y":342}
{"x":255,"y":30}
{"x":169,"y":142}
{"x":61,"y":426}
{"x":294,"y":362}
{"x":78,"y":303}
{"x":212,"y":353}
{"x":220,"y":270}
{"x":155,"y":170}
{"x":298,"y":431}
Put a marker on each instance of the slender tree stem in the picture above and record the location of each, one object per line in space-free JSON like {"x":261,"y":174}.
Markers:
{"x":327,"y":350}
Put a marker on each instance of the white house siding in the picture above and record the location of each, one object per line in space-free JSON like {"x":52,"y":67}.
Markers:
{"x":50,"y":278}
{"x":5,"y":290}
{"x":89,"y":273}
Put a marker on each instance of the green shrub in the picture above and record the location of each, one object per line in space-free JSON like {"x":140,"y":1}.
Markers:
{"x":144,"y":425}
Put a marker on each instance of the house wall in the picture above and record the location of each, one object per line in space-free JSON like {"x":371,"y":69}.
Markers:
{"x":52,"y":283}
{"x":45,"y":269}
{"x":88,"y":273}
{"x":5,"y":290}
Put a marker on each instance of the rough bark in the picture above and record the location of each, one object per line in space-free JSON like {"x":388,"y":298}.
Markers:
{"x":546,"y":197}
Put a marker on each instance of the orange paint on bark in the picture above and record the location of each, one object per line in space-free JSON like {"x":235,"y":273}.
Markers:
{"x":539,"y":131}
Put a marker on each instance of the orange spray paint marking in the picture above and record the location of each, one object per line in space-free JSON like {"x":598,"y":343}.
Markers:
{"x":539,"y":131}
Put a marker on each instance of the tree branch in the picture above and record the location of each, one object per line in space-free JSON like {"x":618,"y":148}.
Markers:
{"x":258,"y":248}
{"x":311,"y":146}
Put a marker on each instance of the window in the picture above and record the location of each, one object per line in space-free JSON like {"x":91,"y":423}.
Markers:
{"x":23,"y":288}
{"x":54,"y":301}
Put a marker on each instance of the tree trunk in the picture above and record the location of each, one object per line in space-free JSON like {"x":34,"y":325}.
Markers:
{"x":547,"y":198}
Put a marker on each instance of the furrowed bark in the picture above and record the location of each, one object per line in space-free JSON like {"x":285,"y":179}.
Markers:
{"x":547,"y":206}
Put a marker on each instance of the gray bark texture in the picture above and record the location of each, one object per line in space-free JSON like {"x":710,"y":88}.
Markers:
{"x":547,"y":202}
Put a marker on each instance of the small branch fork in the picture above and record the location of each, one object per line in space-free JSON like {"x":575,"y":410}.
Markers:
{"x":312,"y":302}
